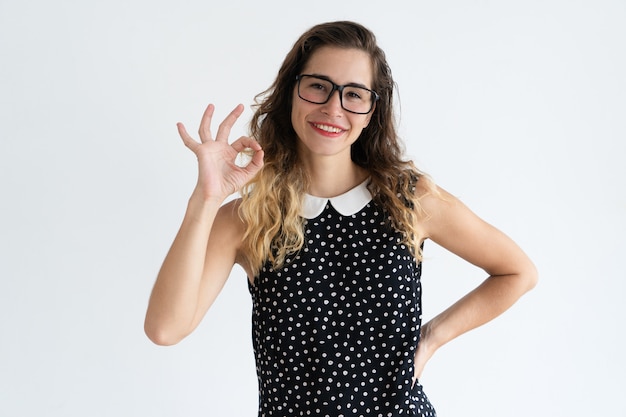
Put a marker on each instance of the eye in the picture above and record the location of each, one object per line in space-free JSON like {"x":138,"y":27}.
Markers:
{"x":317,"y":86}
{"x":353,"y":95}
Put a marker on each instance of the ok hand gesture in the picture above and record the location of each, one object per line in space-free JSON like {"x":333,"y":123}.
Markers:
{"x":218,"y":174}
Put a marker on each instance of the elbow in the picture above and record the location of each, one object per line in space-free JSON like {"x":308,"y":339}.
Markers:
{"x":520,"y":280}
{"x":161,"y":336}
{"x":161,"y":340}
{"x":530,"y":276}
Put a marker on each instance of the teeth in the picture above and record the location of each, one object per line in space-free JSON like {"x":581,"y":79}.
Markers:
{"x":326,"y":128}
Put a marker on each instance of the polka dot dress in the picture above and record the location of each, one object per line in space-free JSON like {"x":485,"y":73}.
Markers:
{"x":335,"y":329}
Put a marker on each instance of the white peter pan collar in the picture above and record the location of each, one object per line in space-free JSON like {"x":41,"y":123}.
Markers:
{"x":346,"y":204}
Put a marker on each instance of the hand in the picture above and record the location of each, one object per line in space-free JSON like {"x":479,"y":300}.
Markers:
{"x":218,"y":174}
{"x":423,"y":353}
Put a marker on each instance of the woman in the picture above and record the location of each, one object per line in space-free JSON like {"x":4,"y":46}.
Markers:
{"x":329,"y":229}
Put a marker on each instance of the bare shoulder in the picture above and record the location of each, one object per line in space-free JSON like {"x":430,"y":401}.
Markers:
{"x":435,"y":203}
{"x":229,"y":211}
{"x":441,"y":209}
{"x":228,"y":232}
{"x":228,"y":223}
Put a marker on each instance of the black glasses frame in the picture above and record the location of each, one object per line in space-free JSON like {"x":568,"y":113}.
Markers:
{"x":339,"y":88}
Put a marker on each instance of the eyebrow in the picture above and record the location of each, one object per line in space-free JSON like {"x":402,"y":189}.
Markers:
{"x":327,"y":78}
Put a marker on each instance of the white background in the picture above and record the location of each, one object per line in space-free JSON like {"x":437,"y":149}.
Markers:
{"x":517,"y":107}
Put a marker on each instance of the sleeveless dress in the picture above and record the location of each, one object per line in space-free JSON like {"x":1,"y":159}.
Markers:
{"x":336,"y":328}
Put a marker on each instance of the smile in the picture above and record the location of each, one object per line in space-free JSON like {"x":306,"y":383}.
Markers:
{"x":326,"y":128}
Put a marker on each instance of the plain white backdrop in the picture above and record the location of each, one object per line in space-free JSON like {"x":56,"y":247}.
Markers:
{"x":516,"y":107}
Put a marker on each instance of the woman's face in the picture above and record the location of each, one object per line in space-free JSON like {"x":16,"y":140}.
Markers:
{"x":328,"y":129}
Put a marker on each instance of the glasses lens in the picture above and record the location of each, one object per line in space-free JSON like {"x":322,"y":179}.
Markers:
{"x":318,"y":90}
{"x":313,"y":89}
{"x":357,"y":99}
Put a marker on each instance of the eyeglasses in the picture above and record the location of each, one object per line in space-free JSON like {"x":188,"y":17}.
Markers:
{"x":319,"y":90}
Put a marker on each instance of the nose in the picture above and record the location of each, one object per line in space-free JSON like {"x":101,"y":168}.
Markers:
{"x":333,"y":105}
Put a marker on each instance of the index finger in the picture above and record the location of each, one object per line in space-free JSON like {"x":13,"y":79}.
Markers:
{"x":224,"y":130}
{"x":205,"y":124}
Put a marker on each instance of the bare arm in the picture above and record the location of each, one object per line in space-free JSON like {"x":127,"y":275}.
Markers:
{"x":205,"y":248}
{"x":510,"y":272}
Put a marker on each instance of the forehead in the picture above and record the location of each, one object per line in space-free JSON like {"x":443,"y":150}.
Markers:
{"x":342,"y":65}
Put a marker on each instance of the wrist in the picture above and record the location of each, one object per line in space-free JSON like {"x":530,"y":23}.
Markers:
{"x":428,"y":337}
{"x":203,"y":208}
{"x":200,"y":198}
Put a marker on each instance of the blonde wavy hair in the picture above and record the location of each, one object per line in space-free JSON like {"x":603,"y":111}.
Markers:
{"x":271,"y":202}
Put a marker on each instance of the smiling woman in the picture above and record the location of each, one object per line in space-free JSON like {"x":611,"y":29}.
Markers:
{"x":329,"y":229}
{"x":327,"y":123}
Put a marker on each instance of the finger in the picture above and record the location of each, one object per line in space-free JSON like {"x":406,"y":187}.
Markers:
{"x":256,"y":163}
{"x":224,"y":130}
{"x":187,"y":140}
{"x":205,"y":123}
{"x":246,"y":142}
{"x":246,"y":149}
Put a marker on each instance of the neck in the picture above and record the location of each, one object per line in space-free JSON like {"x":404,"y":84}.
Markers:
{"x":330,"y":179}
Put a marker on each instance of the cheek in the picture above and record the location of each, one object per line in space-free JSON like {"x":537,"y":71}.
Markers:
{"x":363,"y":123}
